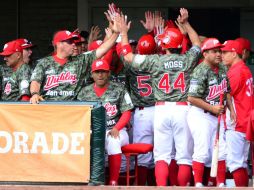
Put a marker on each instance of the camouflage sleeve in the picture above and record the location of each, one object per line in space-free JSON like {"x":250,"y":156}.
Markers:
{"x":85,"y":93}
{"x":24,"y":79}
{"x":197,"y":83}
{"x":81,"y":94}
{"x":145,"y":62}
{"x":193,"y":55}
{"x":88,"y":57}
{"x":38,"y":73}
{"x":125,"y":101}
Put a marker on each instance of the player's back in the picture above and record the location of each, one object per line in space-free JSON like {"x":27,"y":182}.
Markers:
{"x":173,"y":75}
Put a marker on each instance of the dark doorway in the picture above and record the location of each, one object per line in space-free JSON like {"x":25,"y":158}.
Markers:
{"x":223,"y":24}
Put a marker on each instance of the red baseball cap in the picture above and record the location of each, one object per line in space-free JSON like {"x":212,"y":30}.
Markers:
{"x":94,"y":45}
{"x":245,"y":43}
{"x":100,"y":64}
{"x":11,"y":47}
{"x":232,"y":46}
{"x":25,"y":43}
{"x":78,"y":39}
{"x":64,"y":35}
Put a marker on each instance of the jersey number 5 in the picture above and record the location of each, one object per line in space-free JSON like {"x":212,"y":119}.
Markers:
{"x":179,"y":83}
{"x":143,"y":85}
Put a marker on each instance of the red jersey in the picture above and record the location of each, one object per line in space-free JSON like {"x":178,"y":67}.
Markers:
{"x":240,"y":79}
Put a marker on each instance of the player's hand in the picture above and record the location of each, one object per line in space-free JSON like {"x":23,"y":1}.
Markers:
{"x":183,"y":17}
{"x":95,"y":34}
{"x":149,"y":21}
{"x":114,"y":133}
{"x":108,"y":33}
{"x":121,"y":24}
{"x":217,"y":109}
{"x":159,"y":23}
{"x":233,"y":117}
{"x":35,"y":99}
{"x":181,"y":27}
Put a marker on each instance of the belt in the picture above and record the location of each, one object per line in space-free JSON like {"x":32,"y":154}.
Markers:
{"x":205,"y":111}
{"x":176,"y":103}
{"x":141,"y":107}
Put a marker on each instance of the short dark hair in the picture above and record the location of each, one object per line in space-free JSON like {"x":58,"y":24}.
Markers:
{"x":175,"y":50}
{"x":84,"y":34}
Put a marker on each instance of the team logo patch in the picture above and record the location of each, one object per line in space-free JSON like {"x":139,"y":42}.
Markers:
{"x":214,"y":81}
{"x":139,"y":58}
{"x":193,"y":86}
{"x":127,"y":98}
{"x":54,"y":80}
{"x":215,"y":90}
{"x":111,"y":110}
{"x":24,"y":84}
{"x":7,"y":89}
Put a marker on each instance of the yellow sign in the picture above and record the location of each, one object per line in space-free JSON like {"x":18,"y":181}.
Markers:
{"x":45,"y":143}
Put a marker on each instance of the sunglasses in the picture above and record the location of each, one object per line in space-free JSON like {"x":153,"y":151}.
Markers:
{"x":69,"y":41}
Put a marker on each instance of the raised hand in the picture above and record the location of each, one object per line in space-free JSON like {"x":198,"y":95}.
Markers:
{"x":121,"y":24}
{"x":181,"y":27}
{"x":183,"y":17}
{"x":94,"y":34}
{"x":113,"y":11}
{"x":149,"y":21}
{"x":108,"y":32}
{"x":159,"y":23}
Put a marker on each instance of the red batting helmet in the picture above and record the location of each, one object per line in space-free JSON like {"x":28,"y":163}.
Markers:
{"x":146,"y":45}
{"x":171,"y":38}
{"x":211,"y":43}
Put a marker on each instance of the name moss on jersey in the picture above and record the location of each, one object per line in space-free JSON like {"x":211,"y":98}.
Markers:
{"x":170,"y":73}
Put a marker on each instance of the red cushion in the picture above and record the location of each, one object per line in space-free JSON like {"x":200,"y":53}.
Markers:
{"x":141,"y":148}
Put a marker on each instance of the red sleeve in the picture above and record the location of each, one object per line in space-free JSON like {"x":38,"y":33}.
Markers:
{"x":185,"y":44}
{"x":124,"y":119}
{"x":108,"y":56}
{"x":25,"y":98}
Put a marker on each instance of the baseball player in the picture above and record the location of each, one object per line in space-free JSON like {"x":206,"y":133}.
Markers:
{"x":84,"y":40}
{"x":118,"y":104}
{"x":16,"y":86}
{"x":241,"y":82}
{"x":77,"y":50}
{"x":140,"y":85}
{"x":27,"y":49}
{"x":60,"y":76}
{"x":170,"y":78}
{"x":208,"y":80}
{"x":246,"y":46}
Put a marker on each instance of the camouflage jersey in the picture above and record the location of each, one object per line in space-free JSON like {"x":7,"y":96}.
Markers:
{"x":207,"y":85}
{"x":16,"y":83}
{"x":140,"y":85}
{"x":119,"y":77}
{"x":116,"y":100}
{"x":63,"y":82}
{"x":170,"y":73}
{"x":6,"y":73}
